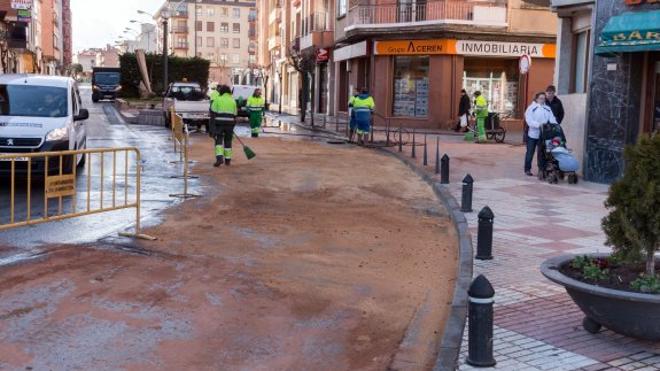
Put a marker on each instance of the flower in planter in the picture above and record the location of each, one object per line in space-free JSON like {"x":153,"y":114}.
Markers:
{"x":633,"y":224}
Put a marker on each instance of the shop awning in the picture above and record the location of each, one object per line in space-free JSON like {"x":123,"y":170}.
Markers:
{"x":631,"y":32}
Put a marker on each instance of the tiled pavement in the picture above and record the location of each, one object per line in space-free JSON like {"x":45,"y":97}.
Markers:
{"x":537,"y":325}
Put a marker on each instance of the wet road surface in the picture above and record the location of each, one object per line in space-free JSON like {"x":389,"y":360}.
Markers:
{"x":105,"y":128}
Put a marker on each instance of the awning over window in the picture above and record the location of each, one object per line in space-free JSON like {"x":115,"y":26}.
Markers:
{"x":631,"y":32}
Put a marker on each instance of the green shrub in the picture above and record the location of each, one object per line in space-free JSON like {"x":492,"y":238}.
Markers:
{"x":633,"y":224}
{"x":192,"y":69}
{"x":647,"y":284}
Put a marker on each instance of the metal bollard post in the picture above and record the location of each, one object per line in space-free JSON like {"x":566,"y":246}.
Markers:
{"x":485,"y":234}
{"x":437,"y":155}
{"x":414,"y":155}
{"x":387,"y":134}
{"x":371,"y":133}
{"x":400,"y":138}
{"x":426,"y":156}
{"x":480,"y":323}
{"x":444,"y":169}
{"x":466,"y":197}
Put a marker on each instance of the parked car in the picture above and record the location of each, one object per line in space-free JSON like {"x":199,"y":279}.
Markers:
{"x":39,"y":114}
{"x":106,"y":83}
{"x":188,"y":100}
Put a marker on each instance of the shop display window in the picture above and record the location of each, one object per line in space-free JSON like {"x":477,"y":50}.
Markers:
{"x":411,"y":86}
{"x":498,"y":84}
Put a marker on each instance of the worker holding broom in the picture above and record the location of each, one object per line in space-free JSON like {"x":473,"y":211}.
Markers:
{"x":481,"y":111}
{"x":223,"y":112}
{"x":255,"y":106}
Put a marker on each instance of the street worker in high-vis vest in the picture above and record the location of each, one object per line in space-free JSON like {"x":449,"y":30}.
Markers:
{"x":363,"y":108}
{"x":481,"y":111}
{"x":224,"y":111}
{"x":255,"y":106}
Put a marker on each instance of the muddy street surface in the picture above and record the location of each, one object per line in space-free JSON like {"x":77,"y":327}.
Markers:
{"x":310,"y":257}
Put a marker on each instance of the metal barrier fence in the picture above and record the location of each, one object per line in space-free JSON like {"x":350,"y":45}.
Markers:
{"x":61,"y":182}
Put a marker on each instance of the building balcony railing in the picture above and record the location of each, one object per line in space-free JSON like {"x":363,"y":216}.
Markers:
{"x":180,"y":14}
{"x":422,"y":12}
{"x":317,"y":22}
{"x":273,"y":42}
{"x":181,"y":45}
{"x":180,"y":29}
{"x":275,"y":15}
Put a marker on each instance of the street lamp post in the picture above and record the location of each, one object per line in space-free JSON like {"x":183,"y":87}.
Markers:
{"x":166,"y":15}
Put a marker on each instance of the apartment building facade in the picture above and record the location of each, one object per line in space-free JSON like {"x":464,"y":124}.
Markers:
{"x":39,"y":35}
{"x":220,"y":31}
{"x":415,"y":56}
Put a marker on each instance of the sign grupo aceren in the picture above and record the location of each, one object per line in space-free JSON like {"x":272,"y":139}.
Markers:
{"x":464,"y":47}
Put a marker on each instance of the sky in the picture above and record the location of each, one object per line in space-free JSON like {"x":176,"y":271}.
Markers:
{"x":97,"y":22}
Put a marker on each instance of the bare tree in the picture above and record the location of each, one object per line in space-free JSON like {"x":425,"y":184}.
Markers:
{"x":304,"y":63}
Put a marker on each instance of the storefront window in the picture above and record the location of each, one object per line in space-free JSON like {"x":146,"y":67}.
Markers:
{"x":498,"y":82}
{"x":411,"y":86}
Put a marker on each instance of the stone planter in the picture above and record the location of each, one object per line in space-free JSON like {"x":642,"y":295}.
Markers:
{"x":632,"y":314}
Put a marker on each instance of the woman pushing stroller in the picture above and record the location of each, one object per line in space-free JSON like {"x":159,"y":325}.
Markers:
{"x":537,"y":114}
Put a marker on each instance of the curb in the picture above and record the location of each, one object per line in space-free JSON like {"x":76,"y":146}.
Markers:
{"x":450,"y":344}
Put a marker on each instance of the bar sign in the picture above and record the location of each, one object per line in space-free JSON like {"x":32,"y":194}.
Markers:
{"x":21,"y":4}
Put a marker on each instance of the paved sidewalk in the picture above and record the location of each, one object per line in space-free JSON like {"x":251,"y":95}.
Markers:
{"x":537,"y":325}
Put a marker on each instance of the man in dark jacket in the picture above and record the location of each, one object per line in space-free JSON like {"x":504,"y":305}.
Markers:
{"x":463,"y":111}
{"x":554,"y":103}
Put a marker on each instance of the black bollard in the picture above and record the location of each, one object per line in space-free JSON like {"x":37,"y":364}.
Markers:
{"x":437,"y":155}
{"x":414,"y":155}
{"x":485,"y":234}
{"x":400,"y":139}
{"x":466,"y":197}
{"x":444,"y":170}
{"x":387,"y":135}
{"x":371,"y":132}
{"x":426,"y":156}
{"x":480,"y":323}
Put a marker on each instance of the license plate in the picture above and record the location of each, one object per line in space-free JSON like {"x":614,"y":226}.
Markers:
{"x":13,"y":158}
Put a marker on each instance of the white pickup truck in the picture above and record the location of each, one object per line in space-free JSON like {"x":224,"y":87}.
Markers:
{"x":188,"y":100}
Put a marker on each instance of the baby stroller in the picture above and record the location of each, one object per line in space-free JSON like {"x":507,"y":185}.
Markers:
{"x":557,"y":161}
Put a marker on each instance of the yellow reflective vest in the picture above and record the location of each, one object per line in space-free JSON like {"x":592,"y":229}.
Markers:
{"x":224,"y":105}
{"x":256,"y":103}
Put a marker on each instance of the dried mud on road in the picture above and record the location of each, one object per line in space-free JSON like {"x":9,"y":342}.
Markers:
{"x":310,"y":257}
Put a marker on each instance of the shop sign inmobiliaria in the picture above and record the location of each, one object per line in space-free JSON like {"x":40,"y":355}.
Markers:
{"x":463,"y":47}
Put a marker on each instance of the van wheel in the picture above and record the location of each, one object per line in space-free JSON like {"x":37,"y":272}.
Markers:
{"x":81,"y":164}
{"x":95,"y":100}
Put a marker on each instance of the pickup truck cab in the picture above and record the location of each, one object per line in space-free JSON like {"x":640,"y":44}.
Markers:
{"x":188,"y":100}
{"x":39,"y":114}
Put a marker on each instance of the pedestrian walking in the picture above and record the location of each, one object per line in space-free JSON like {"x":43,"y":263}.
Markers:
{"x":352,"y":124}
{"x":481,"y":111}
{"x":224,"y":110}
{"x":464,"y":107}
{"x":255,"y":106}
{"x":537,"y":114}
{"x":555,"y":104}
{"x":363,"y":108}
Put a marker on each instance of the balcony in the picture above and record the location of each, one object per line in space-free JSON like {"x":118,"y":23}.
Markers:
{"x":181,"y":45}
{"x":275,"y":15}
{"x":317,"y":31}
{"x":273,"y":42}
{"x":421,"y":13}
{"x":180,"y":29}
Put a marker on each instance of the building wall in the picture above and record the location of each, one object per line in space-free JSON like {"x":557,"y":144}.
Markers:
{"x":526,"y":17}
{"x":67,"y":33}
{"x":614,"y":101}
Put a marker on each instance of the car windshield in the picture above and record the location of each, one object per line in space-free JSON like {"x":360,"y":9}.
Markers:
{"x":107,"y":78}
{"x":33,"y":101}
{"x":187,"y":92}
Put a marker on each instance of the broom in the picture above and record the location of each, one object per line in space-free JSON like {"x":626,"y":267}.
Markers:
{"x":249,"y":153}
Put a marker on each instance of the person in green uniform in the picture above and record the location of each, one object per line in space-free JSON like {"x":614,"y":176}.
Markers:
{"x":481,"y":111}
{"x":363,"y":108}
{"x":255,"y":106}
{"x":224,"y":111}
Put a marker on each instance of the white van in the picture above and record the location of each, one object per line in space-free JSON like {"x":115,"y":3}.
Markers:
{"x":38,"y":114}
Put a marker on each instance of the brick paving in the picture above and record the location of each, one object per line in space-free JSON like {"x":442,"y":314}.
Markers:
{"x":537,"y":325}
